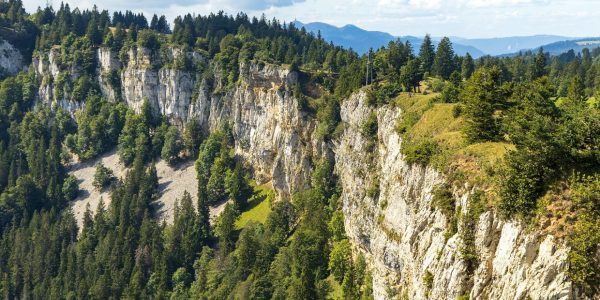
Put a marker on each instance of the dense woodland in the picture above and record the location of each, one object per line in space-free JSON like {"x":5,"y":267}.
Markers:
{"x":546,"y":106}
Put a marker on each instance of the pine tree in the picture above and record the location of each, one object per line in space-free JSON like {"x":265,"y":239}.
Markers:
{"x":172,"y":146}
{"x":444,"y":63}
{"x":481,"y":96}
{"x":410,"y":75}
{"x":192,"y":137}
{"x":468,"y":67}
{"x":225,"y":228}
{"x":538,"y":68}
{"x":237,"y":186}
{"x":427,"y":54}
{"x":92,"y":32}
{"x":576,"y":91}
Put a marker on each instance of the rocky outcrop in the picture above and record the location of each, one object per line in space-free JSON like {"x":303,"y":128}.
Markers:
{"x":271,"y":133}
{"x":403,"y":234}
{"x":11,"y":59}
{"x":56,"y":80}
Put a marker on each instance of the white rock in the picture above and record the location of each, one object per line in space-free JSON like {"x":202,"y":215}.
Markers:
{"x":514,"y":264}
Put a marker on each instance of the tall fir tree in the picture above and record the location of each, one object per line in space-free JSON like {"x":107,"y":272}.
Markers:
{"x":444,"y":63}
{"x":427,"y":54}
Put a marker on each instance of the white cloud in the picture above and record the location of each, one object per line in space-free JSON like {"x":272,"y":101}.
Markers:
{"x":467,"y":18}
{"x":501,"y":3}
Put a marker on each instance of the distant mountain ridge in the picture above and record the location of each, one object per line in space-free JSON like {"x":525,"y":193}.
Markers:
{"x":576,"y":45}
{"x":360,"y":40}
{"x":503,"y":45}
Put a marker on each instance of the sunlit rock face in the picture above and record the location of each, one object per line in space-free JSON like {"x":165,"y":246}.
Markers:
{"x":271,"y":133}
{"x":403,"y":235}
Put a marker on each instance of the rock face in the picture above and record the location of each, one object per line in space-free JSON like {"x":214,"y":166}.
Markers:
{"x":387,"y":203}
{"x":270,"y":131}
{"x":403,"y":235}
{"x":11,"y":60}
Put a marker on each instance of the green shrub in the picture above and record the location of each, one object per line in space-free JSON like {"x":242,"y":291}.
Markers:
{"x":428,"y":280}
{"x":381,"y":94}
{"x":373,"y":190}
{"x":457,"y":111}
{"x":70,"y":188}
{"x":444,"y":200}
{"x":436,"y":84}
{"x":370,"y":126}
{"x":113,"y":79}
{"x":340,"y":259}
{"x":467,"y":248}
{"x":83,"y":86}
{"x":171,"y":146}
{"x":407,"y":121}
{"x":452,"y":228}
{"x":450,"y":93}
{"x":419,"y":152}
{"x":103,"y":177}
{"x":523,"y":181}
{"x":328,"y":116}
{"x":148,"y":39}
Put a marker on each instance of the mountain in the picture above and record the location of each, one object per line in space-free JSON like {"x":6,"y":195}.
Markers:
{"x":557,"y":48}
{"x":360,"y":40}
{"x":349,"y":36}
{"x":576,"y":45}
{"x":499,"y":46}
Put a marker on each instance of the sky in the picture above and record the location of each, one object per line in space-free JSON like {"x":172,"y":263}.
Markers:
{"x":456,"y":18}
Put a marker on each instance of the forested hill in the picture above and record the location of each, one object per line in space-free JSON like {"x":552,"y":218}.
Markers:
{"x":330,"y":166}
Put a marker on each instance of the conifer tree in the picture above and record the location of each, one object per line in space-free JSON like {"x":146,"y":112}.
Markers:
{"x":427,"y":54}
{"x":444,"y":63}
{"x":538,"y":68}
{"x":172,"y":145}
{"x":481,"y":96}
{"x":468,"y":67}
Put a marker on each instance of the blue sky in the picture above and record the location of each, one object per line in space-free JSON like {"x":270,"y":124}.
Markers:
{"x":464,"y":18}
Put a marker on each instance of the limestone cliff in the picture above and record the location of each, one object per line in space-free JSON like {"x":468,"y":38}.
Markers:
{"x":403,"y":234}
{"x":397,"y":227}
{"x":271,"y":133}
{"x":11,"y":60}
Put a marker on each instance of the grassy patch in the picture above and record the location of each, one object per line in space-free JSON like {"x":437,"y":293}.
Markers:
{"x":489,"y":152}
{"x":417,"y":103}
{"x":259,"y":206}
{"x":433,"y":134}
{"x":439,"y":123}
